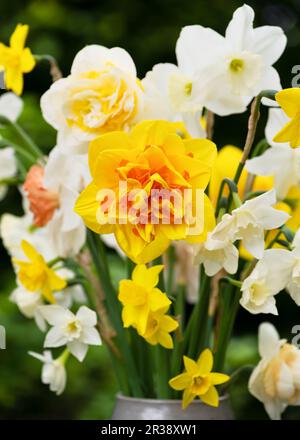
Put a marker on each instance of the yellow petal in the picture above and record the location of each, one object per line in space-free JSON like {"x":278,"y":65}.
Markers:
{"x":146,"y":277}
{"x":203,"y":150}
{"x":30,"y":252}
{"x":187,"y":398}
{"x":55,"y":281}
{"x":27,"y":61}
{"x":289,"y":101}
{"x":86,"y":206}
{"x":181,"y":381}
{"x":158,"y":300}
{"x":225,"y":166}
{"x":18,"y":37}
{"x":218,"y":378}
{"x":14,"y":79}
{"x":168,"y":324}
{"x":151,"y":133}
{"x":205,"y":362}
{"x":290,"y":133}
{"x":190,"y":365}
{"x":48,"y":295}
{"x":131,"y":293}
{"x":165,"y":340}
{"x":211,"y":397}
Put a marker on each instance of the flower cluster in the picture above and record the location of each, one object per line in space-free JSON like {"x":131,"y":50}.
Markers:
{"x":134,"y":169}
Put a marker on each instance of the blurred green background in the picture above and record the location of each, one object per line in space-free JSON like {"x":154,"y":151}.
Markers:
{"x":148,"y":30}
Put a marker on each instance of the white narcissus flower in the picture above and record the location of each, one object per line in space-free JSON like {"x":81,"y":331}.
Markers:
{"x":216,"y":255}
{"x":280,"y":161}
{"x":75,"y":331}
{"x":172,"y":95}
{"x":8,"y":168}
{"x":239,"y":65}
{"x":270,"y":275}
{"x":53,"y":372}
{"x":246,"y":223}
{"x":253,"y":217}
{"x":276,"y":381}
{"x":101,"y":94}
{"x":11,"y":106}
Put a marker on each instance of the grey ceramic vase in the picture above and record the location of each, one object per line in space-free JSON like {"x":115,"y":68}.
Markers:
{"x":130,"y":408}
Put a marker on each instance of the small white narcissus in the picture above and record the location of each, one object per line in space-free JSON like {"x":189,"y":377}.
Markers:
{"x":276,"y":379}
{"x":75,"y":331}
{"x":53,"y":371}
{"x":281,"y":160}
{"x":270,"y":275}
{"x":255,"y":216}
{"x":239,"y":65}
{"x":8,"y":168}
{"x":101,"y":94}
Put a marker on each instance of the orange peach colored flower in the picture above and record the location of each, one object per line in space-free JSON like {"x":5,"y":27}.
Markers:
{"x":42,"y":202}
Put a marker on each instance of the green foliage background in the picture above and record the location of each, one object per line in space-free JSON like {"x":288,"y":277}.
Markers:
{"x":148,"y":30}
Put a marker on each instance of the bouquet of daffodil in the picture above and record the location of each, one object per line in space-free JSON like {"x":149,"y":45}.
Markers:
{"x":198,"y":231}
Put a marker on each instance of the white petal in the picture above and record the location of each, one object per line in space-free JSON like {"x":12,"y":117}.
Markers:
{"x":94,"y":57}
{"x":78,"y":349}
{"x":56,"y":315}
{"x":274,"y":408}
{"x":87,"y":316}
{"x":269,"y":42}
{"x":239,"y":30}
{"x":90,"y":336}
{"x":55,"y":338}
{"x":255,"y":244}
{"x":285,"y":386}
{"x":198,"y":47}
{"x":268,"y":340}
{"x":11,"y":106}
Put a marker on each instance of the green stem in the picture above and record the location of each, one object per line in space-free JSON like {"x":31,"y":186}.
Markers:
{"x":163,"y":389}
{"x":200,"y":318}
{"x":114,"y":310}
{"x":171,"y":266}
{"x":229,"y":307}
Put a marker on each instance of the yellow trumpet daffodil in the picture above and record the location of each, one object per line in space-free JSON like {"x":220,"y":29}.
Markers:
{"x":198,"y":380}
{"x":36,"y":276}
{"x":16,"y":59}
{"x":289,"y":101}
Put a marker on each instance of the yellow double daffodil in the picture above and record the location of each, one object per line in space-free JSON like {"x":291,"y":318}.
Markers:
{"x":152,"y":156}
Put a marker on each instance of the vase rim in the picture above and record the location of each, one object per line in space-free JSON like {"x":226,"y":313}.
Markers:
{"x":121,"y":396}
